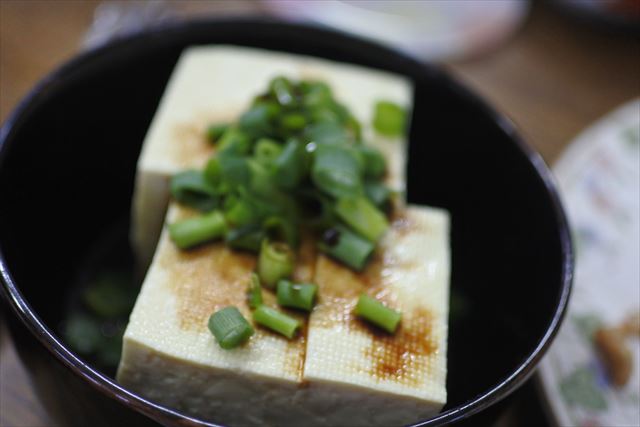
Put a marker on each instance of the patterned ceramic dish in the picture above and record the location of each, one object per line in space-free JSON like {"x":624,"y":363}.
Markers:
{"x":599,"y":178}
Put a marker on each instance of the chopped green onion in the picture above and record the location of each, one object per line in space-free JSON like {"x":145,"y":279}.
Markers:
{"x":346,"y":247}
{"x":266,"y":151}
{"x":193,"y":231}
{"x":282,"y":229}
{"x":294,"y":122}
{"x":215,"y":132}
{"x":234,"y":170}
{"x":362,"y":216}
{"x":389,"y":119}
{"x":261,"y":182}
{"x":297,"y":295}
{"x":257,"y":121}
{"x":241,"y":212}
{"x":276,"y":261}
{"x":229,"y":327}
{"x":375,"y":164}
{"x":316,"y":93}
{"x":234,"y":141}
{"x":248,"y":238}
{"x":254,"y":294}
{"x":291,"y":165}
{"x":378,"y":193}
{"x":336,"y":170}
{"x":276,"y":321}
{"x":190,"y":188}
{"x":327,"y":133}
{"x":353,"y":125}
{"x":316,"y":209}
{"x":377,"y":313}
{"x":323,"y":115}
{"x":282,"y":90}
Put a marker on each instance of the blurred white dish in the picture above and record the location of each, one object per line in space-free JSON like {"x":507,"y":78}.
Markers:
{"x":434,"y":29}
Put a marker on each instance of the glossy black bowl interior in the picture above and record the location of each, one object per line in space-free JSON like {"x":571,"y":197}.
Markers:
{"x":66,"y":175}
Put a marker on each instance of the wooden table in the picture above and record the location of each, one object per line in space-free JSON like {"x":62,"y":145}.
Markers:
{"x":553,"y":79}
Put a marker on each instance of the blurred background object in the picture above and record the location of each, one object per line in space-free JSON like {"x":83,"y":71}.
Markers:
{"x":531,"y":60}
{"x":614,"y":15}
{"x":591,"y":374}
{"x":428,"y":30}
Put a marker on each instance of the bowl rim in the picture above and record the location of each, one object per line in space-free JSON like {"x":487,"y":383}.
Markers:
{"x":110,"y":388}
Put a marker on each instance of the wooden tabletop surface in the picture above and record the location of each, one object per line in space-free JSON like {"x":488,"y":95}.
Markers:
{"x":553,"y":78}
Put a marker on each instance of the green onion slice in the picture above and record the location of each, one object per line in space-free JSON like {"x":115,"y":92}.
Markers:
{"x":336,"y":170}
{"x":254,"y":294}
{"x":374,"y":162}
{"x":257,"y":121}
{"x":266,"y":151}
{"x":276,"y":261}
{"x":297,"y":295}
{"x":282,"y":229}
{"x":327,"y":132}
{"x":282,"y":89}
{"x":234,"y":141}
{"x":291,"y":165}
{"x":248,"y":238}
{"x":377,"y":313}
{"x":190,"y":188}
{"x":215,"y":132}
{"x":276,"y":321}
{"x":229,"y":327}
{"x":362,"y":216}
{"x":194,"y":231}
{"x":346,"y":247}
{"x":378,"y":193}
{"x":293,"y":122}
{"x":389,"y":119}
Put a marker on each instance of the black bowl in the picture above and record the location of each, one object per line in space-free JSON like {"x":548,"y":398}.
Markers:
{"x":67,"y":163}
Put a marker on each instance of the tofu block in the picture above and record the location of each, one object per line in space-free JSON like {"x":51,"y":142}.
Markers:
{"x":340,"y":371}
{"x":215,"y":84}
{"x":170,"y":356}
{"x":366,"y":376}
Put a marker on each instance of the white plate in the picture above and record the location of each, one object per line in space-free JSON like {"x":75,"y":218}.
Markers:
{"x":599,"y":178}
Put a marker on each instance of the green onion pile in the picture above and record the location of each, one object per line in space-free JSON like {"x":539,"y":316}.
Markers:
{"x":294,"y":162}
